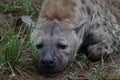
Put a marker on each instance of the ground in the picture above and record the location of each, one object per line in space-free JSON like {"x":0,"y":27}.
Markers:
{"x":80,"y":69}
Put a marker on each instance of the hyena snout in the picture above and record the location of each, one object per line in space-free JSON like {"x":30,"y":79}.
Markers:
{"x":47,"y":61}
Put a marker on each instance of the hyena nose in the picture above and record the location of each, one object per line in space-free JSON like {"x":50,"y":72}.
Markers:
{"x":48,"y":62}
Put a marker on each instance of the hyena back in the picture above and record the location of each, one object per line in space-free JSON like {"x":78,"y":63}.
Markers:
{"x":64,"y":26}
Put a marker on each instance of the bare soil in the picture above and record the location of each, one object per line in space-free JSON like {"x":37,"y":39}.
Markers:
{"x":80,"y":70}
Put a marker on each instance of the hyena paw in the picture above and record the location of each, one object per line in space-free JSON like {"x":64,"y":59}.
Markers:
{"x":100,"y":50}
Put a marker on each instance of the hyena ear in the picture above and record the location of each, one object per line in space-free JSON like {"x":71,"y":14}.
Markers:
{"x":81,"y":30}
{"x":26,"y":19}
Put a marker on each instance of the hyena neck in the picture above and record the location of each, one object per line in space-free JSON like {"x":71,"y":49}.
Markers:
{"x":72,"y":11}
{"x":63,"y":10}
{"x":69,"y":11}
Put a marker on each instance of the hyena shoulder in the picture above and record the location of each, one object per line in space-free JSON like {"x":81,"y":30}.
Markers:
{"x":72,"y":12}
{"x":67,"y":11}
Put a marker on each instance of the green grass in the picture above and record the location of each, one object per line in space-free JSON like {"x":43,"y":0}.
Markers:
{"x":11,"y":51}
{"x":21,"y":6}
{"x":13,"y":55}
{"x":33,"y":54}
{"x":16,"y":43}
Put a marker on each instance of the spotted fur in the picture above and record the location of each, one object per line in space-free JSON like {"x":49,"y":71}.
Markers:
{"x":84,"y":24}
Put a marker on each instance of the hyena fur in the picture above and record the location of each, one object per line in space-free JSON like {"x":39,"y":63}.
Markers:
{"x":66,"y":26}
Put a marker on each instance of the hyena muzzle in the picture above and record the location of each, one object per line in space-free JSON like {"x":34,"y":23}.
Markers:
{"x":60,"y":30}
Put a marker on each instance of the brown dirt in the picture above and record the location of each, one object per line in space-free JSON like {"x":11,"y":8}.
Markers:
{"x":88,"y":70}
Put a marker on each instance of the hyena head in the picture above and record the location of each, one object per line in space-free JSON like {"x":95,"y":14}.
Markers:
{"x":56,"y":45}
{"x":57,"y":34}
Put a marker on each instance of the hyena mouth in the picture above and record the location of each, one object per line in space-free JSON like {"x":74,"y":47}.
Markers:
{"x":52,"y":71}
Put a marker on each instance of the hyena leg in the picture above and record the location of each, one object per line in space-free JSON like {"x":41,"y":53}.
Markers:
{"x":100,"y":45}
{"x":100,"y":50}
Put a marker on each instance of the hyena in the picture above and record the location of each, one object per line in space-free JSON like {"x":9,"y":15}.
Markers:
{"x":66,"y":26}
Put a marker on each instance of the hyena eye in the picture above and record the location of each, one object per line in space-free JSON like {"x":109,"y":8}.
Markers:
{"x":39,"y":46}
{"x":61,"y":46}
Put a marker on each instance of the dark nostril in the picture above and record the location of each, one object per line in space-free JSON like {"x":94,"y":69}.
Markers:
{"x":47,"y":63}
{"x":51,"y":62}
{"x":43,"y":62}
